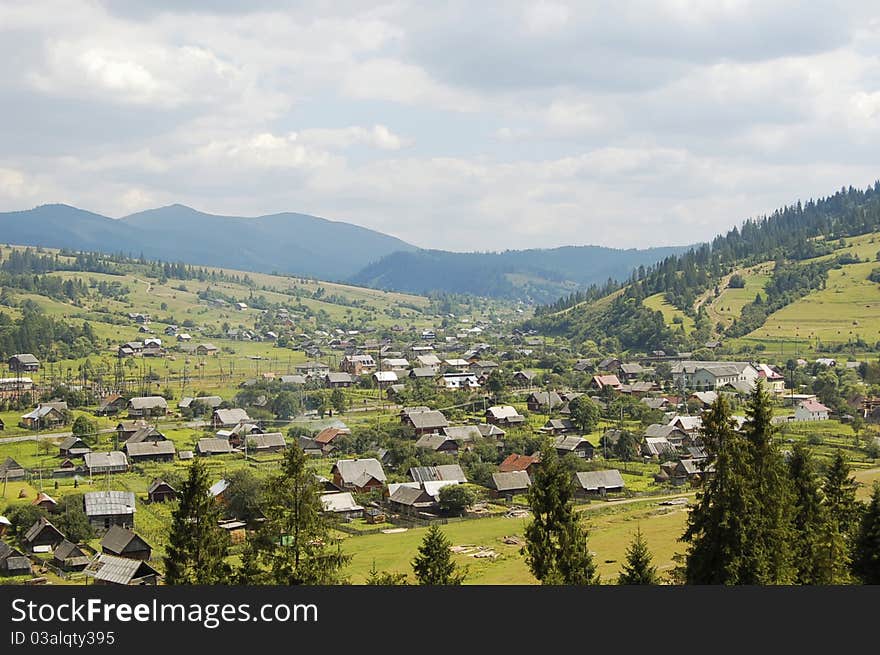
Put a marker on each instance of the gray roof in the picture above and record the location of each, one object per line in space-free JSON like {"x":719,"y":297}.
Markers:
{"x":339,"y":502}
{"x":268,"y":440}
{"x":145,"y":433}
{"x":442,"y":472}
{"x":594,"y":480}
{"x":118,"y":538}
{"x":118,"y":570}
{"x":423,"y":372}
{"x":38,"y":527}
{"x":148,"y":402}
{"x":410,"y":496}
{"x":210,"y":401}
{"x":433,"y":441}
{"x":511,"y":481}
{"x":67,"y":549}
{"x":545,"y":397}
{"x":463,"y":432}
{"x":359,"y":471}
{"x":148,"y":448}
{"x":339,"y":378}
{"x":569,"y":443}
{"x":26,"y":358}
{"x":109,"y":503}
{"x":232,"y":416}
{"x":658,"y":430}
{"x":213,"y":445}
{"x":428,"y":420}
{"x":293,"y":379}
{"x":113,"y":459}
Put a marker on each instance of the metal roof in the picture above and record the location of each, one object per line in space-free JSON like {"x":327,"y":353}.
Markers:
{"x":594,"y":480}
{"x":109,"y":503}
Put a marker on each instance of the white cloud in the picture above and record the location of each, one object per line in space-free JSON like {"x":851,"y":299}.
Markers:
{"x":378,"y":136}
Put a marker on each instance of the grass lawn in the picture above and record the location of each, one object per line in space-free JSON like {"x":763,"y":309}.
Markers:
{"x":658,"y":303}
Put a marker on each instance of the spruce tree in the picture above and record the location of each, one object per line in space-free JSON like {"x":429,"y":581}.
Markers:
{"x":197,"y":545}
{"x":434,"y":564}
{"x":556,"y":543}
{"x":809,"y":518}
{"x":293,"y":542}
{"x":638,"y":568}
{"x":842,"y":512}
{"x":769,"y":553}
{"x":866,"y":548}
{"x":718,"y":526}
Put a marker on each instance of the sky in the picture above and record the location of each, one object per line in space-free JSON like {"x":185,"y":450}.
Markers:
{"x":455,"y":125}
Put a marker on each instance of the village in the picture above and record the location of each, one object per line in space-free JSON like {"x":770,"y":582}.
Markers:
{"x":403,"y":427}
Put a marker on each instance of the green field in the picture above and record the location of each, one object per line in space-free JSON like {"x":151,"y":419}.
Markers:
{"x":730,"y":302}
{"x":658,"y":303}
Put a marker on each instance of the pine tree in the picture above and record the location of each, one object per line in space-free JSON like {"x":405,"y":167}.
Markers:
{"x":434,"y":564}
{"x":769,"y":556}
{"x":197,"y":546}
{"x":293,"y":542}
{"x":866,"y":547}
{"x":809,"y":518}
{"x":842,"y":512}
{"x":638,"y":569}
{"x":719,"y":525}
{"x":556,"y":543}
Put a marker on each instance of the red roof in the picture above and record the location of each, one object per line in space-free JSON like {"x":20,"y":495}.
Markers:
{"x":814,"y":406}
{"x":327,"y":435}
{"x":516,"y":462}
{"x":606,"y":380}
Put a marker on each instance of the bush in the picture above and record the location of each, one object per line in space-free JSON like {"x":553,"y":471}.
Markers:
{"x":815,"y":440}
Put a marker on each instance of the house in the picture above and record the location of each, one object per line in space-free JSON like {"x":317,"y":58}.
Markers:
{"x":602,"y":382}
{"x":45,"y":415}
{"x":151,"y":451}
{"x":704,"y":398}
{"x":312,"y":369}
{"x":505,"y":415}
{"x":672,"y":433}
{"x":42,"y":534}
{"x":609,"y":364}
{"x":488,"y":430}
{"x":689,"y":374}
{"x":295,"y":380}
{"x":108,"y":508}
{"x":122,"y":542}
{"x":524,"y":378}
{"x":69,"y":557}
{"x":510,"y":484}
{"x":422,"y":373}
{"x":5,"y":524}
{"x":269,"y":442}
{"x":426,"y":422}
{"x":579,"y":446}
{"x":218,"y":491}
{"x":159,"y":491}
{"x":463,"y":434}
{"x":515,"y":462}
{"x":111,"y":570}
{"x":183,"y":337}
{"x":774,"y":381}
{"x":357,"y":364}
{"x":440,"y":473}
{"x":144,"y":434}
{"x":412,"y":500}
{"x":456,"y":364}
{"x":200,"y":403}
{"x":544,"y":401}
{"x":584,"y":366}
{"x":811,"y":410}
{"x":439,"y":443}
{"x":14,"y":387}
{"x":11,"y":470}
{"x":559,"y":426}
{"x":598,"y":483}
{"x":384,"y":379}
{"x":338,"y":380}
{"x":99,"y":463}
{"x":146,"y":406}
{"x":207,"y":349}
{"x":341,"y":504}
{"x":325,"y":438}
{"x":456,"y":381}
{"x":395,"y":364}
{"x":13,"y":561}
{"x":209,"y":446}
{"x":657,"y":447}
{"x":44,"y":501}
{"x":361,"y":475}
{"x":68,"y":469}
{"x":126,"y":429}
{"x":227,"y":418}
{"x":112,"y":404}
{"x":23,"y":363}
{"x":429,"y":361}
{"x":630,"y":371}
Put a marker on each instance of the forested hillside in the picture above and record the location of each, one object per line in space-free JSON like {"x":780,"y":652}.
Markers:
{"x":802,"y":242}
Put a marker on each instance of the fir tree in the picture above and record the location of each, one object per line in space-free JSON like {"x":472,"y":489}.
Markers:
{"x":197,"y":546}
{"x":866,"y":547}
{"x":719,"y":525}
{"x":434,"y":564}
{"x":809,"y":518}
{"x":556,"y":543}
{"x":842,"y":511}
{"x":769,"y":556}
{"x":293,"y":542}
{"x":638,"y":569}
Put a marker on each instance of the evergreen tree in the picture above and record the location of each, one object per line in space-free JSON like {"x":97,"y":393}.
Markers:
{"x":866,"y":550}
{"x":434,"y":564}
{"x":719,"y":525}
{"x":638,"y":569}
{"x":385,"y":578}
{"x":293,"y":541}
{"x":809,"y":518}
{"x":842,"y":511}
{"x":197,"y":546}
{"x":769,"y":556}
{"x":556,"y":543}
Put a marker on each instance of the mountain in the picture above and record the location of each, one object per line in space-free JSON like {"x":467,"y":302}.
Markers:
{"x":734,"y":286}
{"x":287,"y":243}
{"x":330,"y":250}
{"x":538,"y":275}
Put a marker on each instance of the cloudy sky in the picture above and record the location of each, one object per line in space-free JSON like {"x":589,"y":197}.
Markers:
{"x":458,"y":125}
